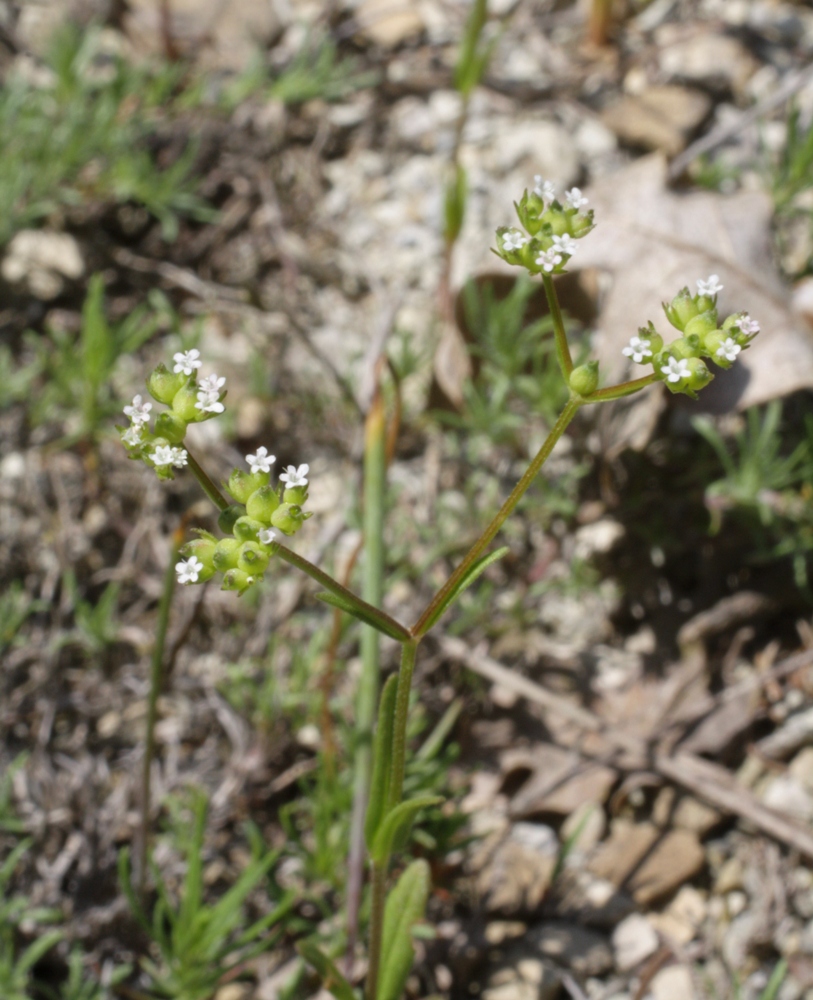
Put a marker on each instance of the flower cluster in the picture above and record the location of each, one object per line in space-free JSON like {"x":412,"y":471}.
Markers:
{"x":188,"y":402}
{"x":251,"y":524}
{"x":551,"y":229}
{"x":680,"y":365}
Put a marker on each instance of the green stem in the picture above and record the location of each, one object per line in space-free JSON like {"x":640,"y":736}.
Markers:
{"x":156,"y":671}
{"x":562,"y":346}
{"x":620,"y":390}
{"x":379,"y":894}
{"x":395,"y":793}
{"x":206,"y":484}
{"x":421,"y":626}
{"x":390,"y":625}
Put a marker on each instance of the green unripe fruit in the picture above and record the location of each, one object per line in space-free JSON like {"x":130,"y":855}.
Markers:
{"x":203,"y":549}
{"x":683,"y":348}
{"x":246,"y":529}
{"x":229,"y":516}
{"x":288,"y":518}
{"x":226,"y":554}
{"x":262,"y":503}
{"x":704,"y":302}
{"x":170,"y":426}
{"x":681,"y":309}
{"x":651,"y":334}
{"x":242,"y":484}
{"x":700,"y":376}
{"x":237,"y":579}
{"x":702,"y":324}
{"x":581,"y":224}
{"x":183,"y":402}
{"x":584,"y":379}
{"x":252,"y":558}
{"x":164,"y":384}
{"x":295,"y":494}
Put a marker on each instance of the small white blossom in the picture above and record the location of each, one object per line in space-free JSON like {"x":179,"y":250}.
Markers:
{"x":549,"y":259}
{"x":294,"y":476}
{"x":208,"y":398}
{"x":186,"y":361}
{"x":575,"y":198}
{"x":676,"y":369}
{"x":565,"y":244}
{"x":513,"y":240}
{"x":748,"y":326}
{"x":188,"y":570}
{"x":709,"y":287}
{"x":638,"y":349}
{"x":262,"y":461}
{"x":132,"y":436}
{"x":545,"y":189}
{"x":729,"y":349}
{"x":138,"y":412}
{"x":164,"y":454}
{"x":212,"y":383}
{"x":266,"y":535}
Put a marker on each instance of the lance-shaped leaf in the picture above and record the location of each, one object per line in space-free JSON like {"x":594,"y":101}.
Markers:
{"x":474,"y":572}
{"x":367,"y":614}
{"x":332,"y":979}
{"x":405,"y":907}
{"x":396,"y":825}
{"x":382,"y":761}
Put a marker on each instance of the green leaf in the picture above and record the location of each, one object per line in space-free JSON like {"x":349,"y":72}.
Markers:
{"x":396,"y":825}
{"x":470,"y":62}
{"x":406,"y":905}
{"x":382,"y":760}
{"x":368,"y":615}
{"x":97,"y":340}
{"x":476,"y":571}
{"x":332,"y":979}
{"x":455,"y":204}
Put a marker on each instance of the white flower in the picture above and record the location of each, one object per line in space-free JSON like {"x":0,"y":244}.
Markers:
{"x":186,"y":361}
{"x":132,"y":436}
{"x":211,"y":383}
{"x":262,"y":461}
{"x":208,"y":398}
{"x":565,"y":244}
{"x":549,"y":259}
{"x":575,"y":198}
{"x":166,"y":455}
{"x":139,"y":412}
{"x":267,"y":536}
{"x":676,"y":370}
{"x":638,"y":349}
{"x":748,"y":326}
{"x":513,"y":240}
{"x":188,"y":570}
{"x":729,"y":349}
{"x":294,"y":476}
{"x":545,"y":189}
{"x":709,"y":287}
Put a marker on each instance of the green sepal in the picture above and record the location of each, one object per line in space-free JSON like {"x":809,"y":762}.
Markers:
{"x":332,"y":980}
{"x":184,"y":400}
{"x":405,"y":907}
{"x":242,"y":484}
{"x":262,"y":503}
{"x":395,"y":826}
{"x":170,"y":426}
{"x":476,"y":570}
{"x":164,"y":384}
{"x":385,"y":624}
{"x":229,"y":517}
{"x":382,"y":760}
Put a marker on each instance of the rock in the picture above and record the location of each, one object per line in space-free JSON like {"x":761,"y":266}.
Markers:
{"x":388,"y":25}
{"x":787,"y":794}
{"x":716,"y":61}
{"x":42,"y":260}
{"x":648,"y":862}
{"x":792,"y":734}
{"x":803,"y":299}
{"x":579,"y":896}
{"x":560,"y":783}
{"x":524,"y":979}
{"x":597,"y":538}
{"x":517,"y":876}
{"x":658,"y":118}
{"x":673,"y":983}
{"x":634,"y":940}
{"x":684,"y":916}
{"x":232,"y":991}
{"x":801,"y":768}
{"x":585,"y":952}
{"x":729,"y":877}
{"x":687,"y":813}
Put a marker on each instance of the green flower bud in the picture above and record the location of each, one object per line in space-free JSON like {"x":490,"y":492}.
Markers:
{"x":183,"y":402}
{"x":242,"y":484}
{"x":528,"y":211}
{"x":238,"y":579}
{"x":295,"y":494}
{"x":681,"y":309}
{"x":702,"y":324}
{"x":163,"y":384}
{"x":253,"y":558}
{"x":584,"y":379}
{"x":246,"y":529}
{"x":226,"y":554}
{"x":229,"y":516}
{"x":170,"y":426}
{"x":262,"y":503}
{"x":288,"y":518}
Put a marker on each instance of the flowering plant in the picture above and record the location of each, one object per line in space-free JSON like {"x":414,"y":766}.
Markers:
{"x":255,"y":513}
